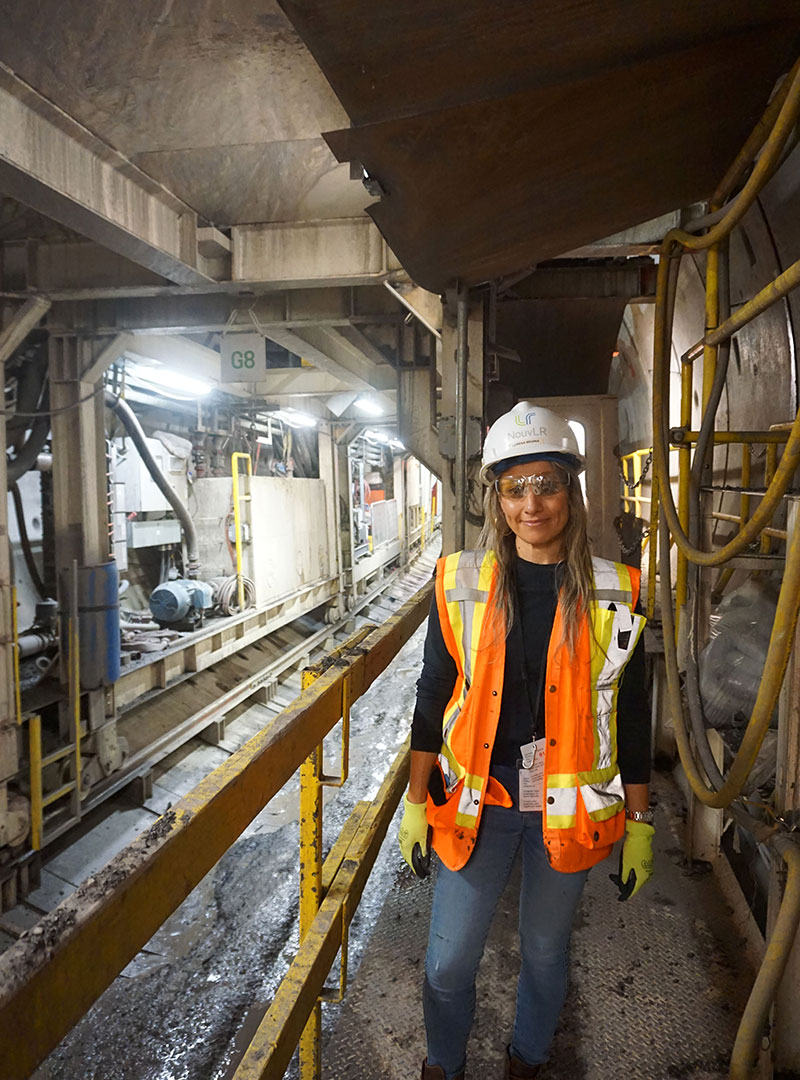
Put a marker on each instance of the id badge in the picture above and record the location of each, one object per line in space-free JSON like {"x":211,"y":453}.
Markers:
{"x":531,"y":777}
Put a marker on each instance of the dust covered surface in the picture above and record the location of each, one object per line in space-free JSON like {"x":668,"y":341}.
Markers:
{"x":176,"y":1011}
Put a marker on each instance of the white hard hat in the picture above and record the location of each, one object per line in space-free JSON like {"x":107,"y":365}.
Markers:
{"x":526,"y":430}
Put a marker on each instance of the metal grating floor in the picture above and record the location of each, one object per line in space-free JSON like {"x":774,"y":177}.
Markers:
{"x":658,"y":984}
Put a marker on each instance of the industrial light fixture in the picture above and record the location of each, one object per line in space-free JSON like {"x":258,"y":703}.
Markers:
{"x":376,"y":436}
{"x":294,"y":418}
{"x":367,"y":405}
{"x":165,"y":379}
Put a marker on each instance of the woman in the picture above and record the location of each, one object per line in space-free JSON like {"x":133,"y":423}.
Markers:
{"x":516,"y":742}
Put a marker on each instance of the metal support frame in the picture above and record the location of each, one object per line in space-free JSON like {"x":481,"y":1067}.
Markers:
{"x":87,"y":940}
{"x":15,"y":325}
{"x":108,"y":199}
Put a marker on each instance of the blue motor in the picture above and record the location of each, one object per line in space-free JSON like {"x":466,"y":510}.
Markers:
{"x":182,"y":600}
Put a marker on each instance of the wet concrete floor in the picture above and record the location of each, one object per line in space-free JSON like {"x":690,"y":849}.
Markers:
{"x":174,"y":1012}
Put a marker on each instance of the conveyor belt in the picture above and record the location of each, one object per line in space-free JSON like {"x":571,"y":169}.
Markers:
{"x":658,"y":984}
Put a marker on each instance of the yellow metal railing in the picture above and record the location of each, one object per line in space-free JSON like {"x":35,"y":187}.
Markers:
{"x":97,"y":930}
{"x":312,"y":781}
{"x":343,"y":879}
{"x":632,"y":473}
{"x":37,"y":762}
{"x":238,"y":499}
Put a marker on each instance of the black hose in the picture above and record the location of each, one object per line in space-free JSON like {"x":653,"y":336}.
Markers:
{"x":27,"y":551}
{"x":26,"y":458}
{"x":134,"y":429}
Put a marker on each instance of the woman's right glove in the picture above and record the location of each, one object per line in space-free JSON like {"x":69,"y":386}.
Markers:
{"x":413,"y":830}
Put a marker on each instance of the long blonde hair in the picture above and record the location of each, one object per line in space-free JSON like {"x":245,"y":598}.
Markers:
{"x":576,"y":579}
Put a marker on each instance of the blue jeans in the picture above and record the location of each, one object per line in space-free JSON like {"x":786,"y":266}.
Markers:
{"x":464,"y":904}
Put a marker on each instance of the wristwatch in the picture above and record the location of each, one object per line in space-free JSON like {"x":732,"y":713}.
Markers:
{"x":640,"y":815}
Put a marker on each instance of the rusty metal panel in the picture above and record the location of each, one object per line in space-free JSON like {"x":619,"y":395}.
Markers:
{"x":407,"y":58}
{"x":489,"y":187}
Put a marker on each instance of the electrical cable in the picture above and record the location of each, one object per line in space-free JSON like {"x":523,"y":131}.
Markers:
{"x":226,"y":594}
{"x":27,"y":551}
{"x":55,"y":412}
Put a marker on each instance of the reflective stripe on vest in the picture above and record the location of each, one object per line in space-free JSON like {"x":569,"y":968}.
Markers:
{"x":467,"y":581}
{"x":615,"y":631}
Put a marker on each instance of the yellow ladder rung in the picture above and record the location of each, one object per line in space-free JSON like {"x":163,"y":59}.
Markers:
{"x":55,"y":795}
{"x":57,"y":755}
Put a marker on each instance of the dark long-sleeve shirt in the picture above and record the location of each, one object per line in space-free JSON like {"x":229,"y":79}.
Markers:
{"x":522,"y":707}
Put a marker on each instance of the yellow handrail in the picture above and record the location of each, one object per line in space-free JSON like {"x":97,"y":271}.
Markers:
{"x":237,"y":518}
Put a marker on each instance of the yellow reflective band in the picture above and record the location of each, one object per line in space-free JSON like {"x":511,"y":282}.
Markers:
{"x":607,"y":812}
{"x":455,"y":766}
{"x":562,"y":780}
{"x":561,"y":821}
{"x":597,"y":776}
{"x":474,"y":782}
{"x":468,"y":821}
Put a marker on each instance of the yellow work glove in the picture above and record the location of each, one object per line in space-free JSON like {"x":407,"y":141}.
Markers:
{"x":635,"y":860}
{"x":414,"y":831}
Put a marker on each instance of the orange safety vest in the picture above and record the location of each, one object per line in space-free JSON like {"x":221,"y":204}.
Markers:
{"x":583,"y":798}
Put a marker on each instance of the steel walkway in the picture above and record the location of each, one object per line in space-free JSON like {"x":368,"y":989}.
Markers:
{"x":658,"y":984}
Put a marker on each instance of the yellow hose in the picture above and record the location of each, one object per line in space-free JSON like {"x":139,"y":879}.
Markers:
{"x":755,"y":141}
{"x":780,"y":644}
{"x":748,"y":1037}
{"x":768,"y":296}
{"x":667,"y":276}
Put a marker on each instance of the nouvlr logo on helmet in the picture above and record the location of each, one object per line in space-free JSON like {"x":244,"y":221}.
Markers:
{"x":527,"y":422}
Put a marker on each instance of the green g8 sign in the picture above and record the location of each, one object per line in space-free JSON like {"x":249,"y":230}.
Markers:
{"x":243,"y":358}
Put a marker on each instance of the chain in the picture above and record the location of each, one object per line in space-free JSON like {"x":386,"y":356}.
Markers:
{"x":628,"y":549}
{"x":648,"y":461}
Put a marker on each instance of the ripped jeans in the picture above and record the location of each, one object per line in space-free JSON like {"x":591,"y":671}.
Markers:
{"x":464,"y":904}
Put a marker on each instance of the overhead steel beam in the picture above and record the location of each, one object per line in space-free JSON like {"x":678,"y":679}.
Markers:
{"x":300,"y":382}
{"x":339,"y":251}
{"x":20,"y":325}
{"x":362,"y":344}
{"x":192,"y":358}
{"x":327,"y":350}
{"x":56,"y":166}
{"x":108,"y":355}
{"x":425,"y":306}
{"x":350,"y":358}
{"x":179,"y":313}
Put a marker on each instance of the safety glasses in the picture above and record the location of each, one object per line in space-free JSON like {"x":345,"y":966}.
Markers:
{"x":514,"y":487}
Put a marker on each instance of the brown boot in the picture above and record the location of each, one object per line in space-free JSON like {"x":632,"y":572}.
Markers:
{"x":435,"y":1072}
{"x":518,"y":1070}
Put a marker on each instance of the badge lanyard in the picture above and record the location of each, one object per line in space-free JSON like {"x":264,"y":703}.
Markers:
{"x":531,"y":768}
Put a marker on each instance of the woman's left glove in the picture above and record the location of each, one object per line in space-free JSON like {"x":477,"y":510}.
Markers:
{"x":414,"y":832}
{"x":635,"y":860}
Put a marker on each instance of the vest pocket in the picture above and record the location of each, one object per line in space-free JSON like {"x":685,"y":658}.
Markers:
{"x":601,"y":806}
